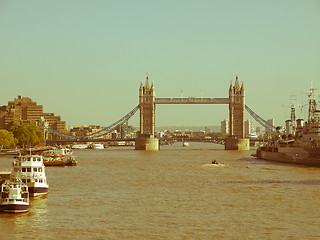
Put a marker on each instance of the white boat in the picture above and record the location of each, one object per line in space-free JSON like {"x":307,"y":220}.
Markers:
{"x":64,"y":152}
{"x":80,"y":146}
{"x":30,"y":169}
{"x":14,"y":197}
{"x":185,"y":144}
{"x":97,"y":146}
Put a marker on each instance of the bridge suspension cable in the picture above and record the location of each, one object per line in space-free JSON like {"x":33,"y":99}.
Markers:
{"x":98,"y":134}
{"x":260,"y":120}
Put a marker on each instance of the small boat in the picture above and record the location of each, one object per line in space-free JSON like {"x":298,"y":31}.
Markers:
{"x":96,"y":146}
{"x":52,"y":158}
{"x":80,"y":146}
{"x":71,"y":161}
{"x":215,"y":162}
{"x":14,"y":197}
{"x":30,"y":170}
{"x":53,"y":161}
{"x":185,"y":144}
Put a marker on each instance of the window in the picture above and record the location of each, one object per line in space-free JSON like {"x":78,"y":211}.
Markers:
{"x":23,"y":169}
{"x":35,"y":169}
{"x":28,"y":169}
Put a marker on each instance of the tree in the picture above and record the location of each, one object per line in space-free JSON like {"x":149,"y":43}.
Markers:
{"x":27,"y":134}
{"x":6,"y":138}
{"x":130,"y":129}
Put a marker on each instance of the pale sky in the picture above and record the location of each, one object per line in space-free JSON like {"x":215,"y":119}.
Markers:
{"x":84,"y":60}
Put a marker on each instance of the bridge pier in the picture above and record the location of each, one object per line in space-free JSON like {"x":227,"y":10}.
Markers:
{"x":237,"y":144}
{"x":146,"y":143}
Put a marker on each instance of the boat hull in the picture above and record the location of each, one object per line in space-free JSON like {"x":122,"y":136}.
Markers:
{"x":37,"y":191}
{"x":15,"y":208}
{"x":287,"y":155}
{"x":54,"y":163}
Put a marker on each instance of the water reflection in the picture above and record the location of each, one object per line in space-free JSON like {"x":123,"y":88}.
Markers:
{"x":302,"y":182}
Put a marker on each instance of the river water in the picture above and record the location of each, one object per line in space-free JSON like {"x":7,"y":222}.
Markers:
{"x":174,"y":193}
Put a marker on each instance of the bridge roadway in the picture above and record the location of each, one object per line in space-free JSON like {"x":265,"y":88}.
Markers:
{"x":191,"y":100}
{"x":50,"y":141}
{"x":126,"y":140}
{"x":221,"y":141}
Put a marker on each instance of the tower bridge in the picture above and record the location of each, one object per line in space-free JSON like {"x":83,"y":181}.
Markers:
{"x":147,"y":100}
{"x":146,"y":139}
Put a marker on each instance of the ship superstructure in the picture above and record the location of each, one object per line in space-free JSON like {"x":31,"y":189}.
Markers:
{"x":31,"y":170}
{"x":303,"y":145}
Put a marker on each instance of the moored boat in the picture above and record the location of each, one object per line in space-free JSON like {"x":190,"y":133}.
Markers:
{"x":53,"y":161}
{"x":58,"y":157}
{"x":80,"y":146}
{"x":52,"y":158}
{"x":96,"y":146}
{"x":185,"y":144}
{"x":71,"y":161}
{"x":14,"y":197}
{"x":300,"y":147}
{"x":31,"y":170}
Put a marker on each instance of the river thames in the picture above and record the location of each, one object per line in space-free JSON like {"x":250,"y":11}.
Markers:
{"x":174,"y":193}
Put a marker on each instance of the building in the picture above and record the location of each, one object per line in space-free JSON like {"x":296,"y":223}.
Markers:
{"x":270,"y":122}
{"x":258,"y":130}
{"x":23,"y":110}
{"x":289,"y":127}
{"x":225,"y":126}
{"x":81,"y":131}
{"x":248,"y":128}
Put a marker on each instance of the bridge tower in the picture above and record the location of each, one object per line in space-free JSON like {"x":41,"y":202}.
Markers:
{"x":236,"y":109}
{"x":236,"y":140}
{"x":146,"y":139}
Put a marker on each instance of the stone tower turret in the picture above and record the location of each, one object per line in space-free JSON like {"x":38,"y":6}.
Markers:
{"x":147,"y":109}
{"x":236,"y":109}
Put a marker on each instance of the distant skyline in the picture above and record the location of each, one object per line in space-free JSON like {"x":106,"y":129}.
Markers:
{"x":84,"y":60}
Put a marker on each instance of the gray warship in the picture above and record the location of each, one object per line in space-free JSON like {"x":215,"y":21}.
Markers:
{"x":300,"y":147}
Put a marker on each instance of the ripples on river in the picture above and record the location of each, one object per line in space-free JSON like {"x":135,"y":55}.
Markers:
{"x":174,"y":193}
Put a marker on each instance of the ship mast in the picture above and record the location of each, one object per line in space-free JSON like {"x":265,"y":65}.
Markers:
{"x":312,"y":105}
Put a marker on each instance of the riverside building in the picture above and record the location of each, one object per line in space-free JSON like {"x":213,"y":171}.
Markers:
{"x":22,"y":110}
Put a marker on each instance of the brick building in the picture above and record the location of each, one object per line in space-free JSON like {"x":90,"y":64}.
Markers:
{"x":23,"y":110}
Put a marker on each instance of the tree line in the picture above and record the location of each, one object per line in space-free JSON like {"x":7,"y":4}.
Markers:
{"x":21,"y":135}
